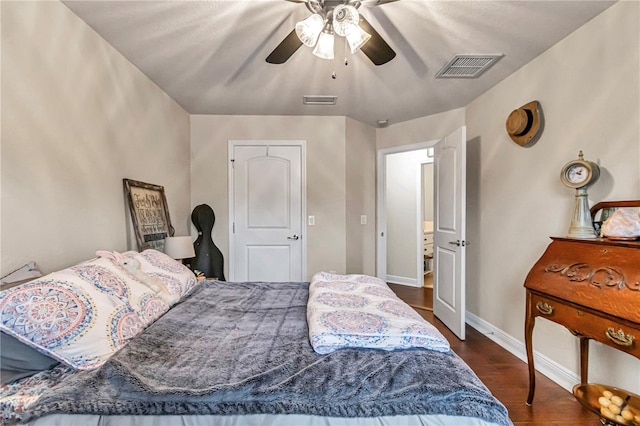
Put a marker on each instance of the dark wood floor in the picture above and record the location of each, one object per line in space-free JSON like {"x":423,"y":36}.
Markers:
{"x":504,"y":374}
{"x":416,"y":297}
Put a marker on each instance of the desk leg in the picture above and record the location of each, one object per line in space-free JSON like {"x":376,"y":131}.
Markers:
{"x":528,"y":336}
{"x":584,"y":359}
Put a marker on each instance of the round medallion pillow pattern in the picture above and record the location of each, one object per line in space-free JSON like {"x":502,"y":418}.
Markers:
{"x":125,"y":325}
{"x":48,"y":313}
{"x":103,"y":279}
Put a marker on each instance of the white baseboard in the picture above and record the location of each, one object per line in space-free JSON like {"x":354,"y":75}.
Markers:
{"x":394,"y":279}
{"x":545,"y":365}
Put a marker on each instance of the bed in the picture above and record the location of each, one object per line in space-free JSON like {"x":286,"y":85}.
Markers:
{"x":314,"y":353}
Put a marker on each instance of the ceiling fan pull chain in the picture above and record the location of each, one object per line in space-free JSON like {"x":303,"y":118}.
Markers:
{"x":346,"y":61}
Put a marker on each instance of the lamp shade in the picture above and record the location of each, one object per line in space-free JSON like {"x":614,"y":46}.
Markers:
{"x":345,"y":17}
{"x":357,"y":37}
{"x":324,"y":48}
{"x":179,"y":247}
{"x":309,"y":29}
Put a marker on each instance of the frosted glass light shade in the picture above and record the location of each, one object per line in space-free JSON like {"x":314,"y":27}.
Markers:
{"x":357,"y":37}
{"x":309,"y":29}
{"x":179,"y":247}
{"x":324,"y":47}
{"x":344,"y":18}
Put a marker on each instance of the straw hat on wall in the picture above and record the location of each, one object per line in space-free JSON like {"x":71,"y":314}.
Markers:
{"x":524,"y":124}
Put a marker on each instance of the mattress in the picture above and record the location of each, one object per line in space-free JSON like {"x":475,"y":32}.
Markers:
{"x":257,"y":420}
{"x":239,"y":354}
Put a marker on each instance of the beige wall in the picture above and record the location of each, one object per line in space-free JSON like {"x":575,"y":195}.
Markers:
{"x":589,"y":87}
{"x":76,"y":119}
{"x":326,"y":176}
{"x":422,"y":129}
{"x":361,"y":199}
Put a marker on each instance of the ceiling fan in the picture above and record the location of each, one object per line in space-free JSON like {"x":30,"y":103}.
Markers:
{"x":331,"y":17}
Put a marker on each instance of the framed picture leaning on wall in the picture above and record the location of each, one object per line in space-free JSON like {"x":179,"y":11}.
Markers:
{"x":149,"y":214}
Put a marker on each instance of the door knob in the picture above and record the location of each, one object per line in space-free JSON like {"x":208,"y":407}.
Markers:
{"x":455,"y":243}
{"x":294,"y":237}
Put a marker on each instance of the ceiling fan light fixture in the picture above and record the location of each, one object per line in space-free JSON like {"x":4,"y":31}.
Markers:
{"x":356,"y":38}
{"x":324,"y":47}
{"x":330,"y":18}
{"x":309,"y":29}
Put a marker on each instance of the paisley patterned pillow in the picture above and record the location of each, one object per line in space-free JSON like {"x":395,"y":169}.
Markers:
{"x":112,"y":278}
{"x":359,"y":311}
{"x":79,"y":315}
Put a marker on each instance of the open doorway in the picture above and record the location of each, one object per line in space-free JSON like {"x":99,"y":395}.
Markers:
{"x":405,"y":214}
{"x":449,"y":226}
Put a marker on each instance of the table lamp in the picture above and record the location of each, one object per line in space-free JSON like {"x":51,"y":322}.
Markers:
{"x":179,"y":247}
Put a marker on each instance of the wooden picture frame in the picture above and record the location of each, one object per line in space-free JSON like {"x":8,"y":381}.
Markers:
{"x":149,"y":214}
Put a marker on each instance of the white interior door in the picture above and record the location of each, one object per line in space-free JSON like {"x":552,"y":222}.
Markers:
{"x":266,"y":238}
{"x":449,"y":231}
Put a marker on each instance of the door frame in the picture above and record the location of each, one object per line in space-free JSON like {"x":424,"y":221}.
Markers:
{"x":381,"y":202}
{"x":303,"y":183}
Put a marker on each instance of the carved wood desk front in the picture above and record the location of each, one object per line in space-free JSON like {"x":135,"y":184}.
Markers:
{"x":592,"y":287}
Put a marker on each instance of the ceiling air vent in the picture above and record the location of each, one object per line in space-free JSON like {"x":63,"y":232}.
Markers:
{"x":319,"y":100}
{"x":467,"y":66}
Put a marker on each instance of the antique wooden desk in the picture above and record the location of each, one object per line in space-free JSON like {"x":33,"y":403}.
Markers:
{"x":592,"y":287}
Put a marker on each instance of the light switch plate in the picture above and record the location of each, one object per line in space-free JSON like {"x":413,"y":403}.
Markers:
{"x":363,"y":219}
{"x":312,"y":220}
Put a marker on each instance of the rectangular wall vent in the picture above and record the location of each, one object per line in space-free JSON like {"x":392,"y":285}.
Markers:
{"x":467,"y":66}
{"x":319,"y":100}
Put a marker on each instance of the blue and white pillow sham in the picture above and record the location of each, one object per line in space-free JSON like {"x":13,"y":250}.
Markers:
{"x":67,"y":317}
{"x":83,"y":314}
{"x":359,"y":311}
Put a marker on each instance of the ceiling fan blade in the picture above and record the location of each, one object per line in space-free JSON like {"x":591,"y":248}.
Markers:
{"x":285,"y":49}
{"x":376,"y":48}
{"x":372,"y":2}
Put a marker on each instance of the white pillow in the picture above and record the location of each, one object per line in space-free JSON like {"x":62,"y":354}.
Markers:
{"x":80,"y":319}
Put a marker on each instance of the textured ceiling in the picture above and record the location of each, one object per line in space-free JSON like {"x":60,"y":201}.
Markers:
{"x":209,"y":55}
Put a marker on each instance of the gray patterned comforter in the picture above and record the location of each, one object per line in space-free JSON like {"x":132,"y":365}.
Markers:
{"x":241,"y":348}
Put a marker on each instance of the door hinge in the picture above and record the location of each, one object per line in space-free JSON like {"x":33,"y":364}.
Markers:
{"x":233,"y":163}
{"x":234,"y":227}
